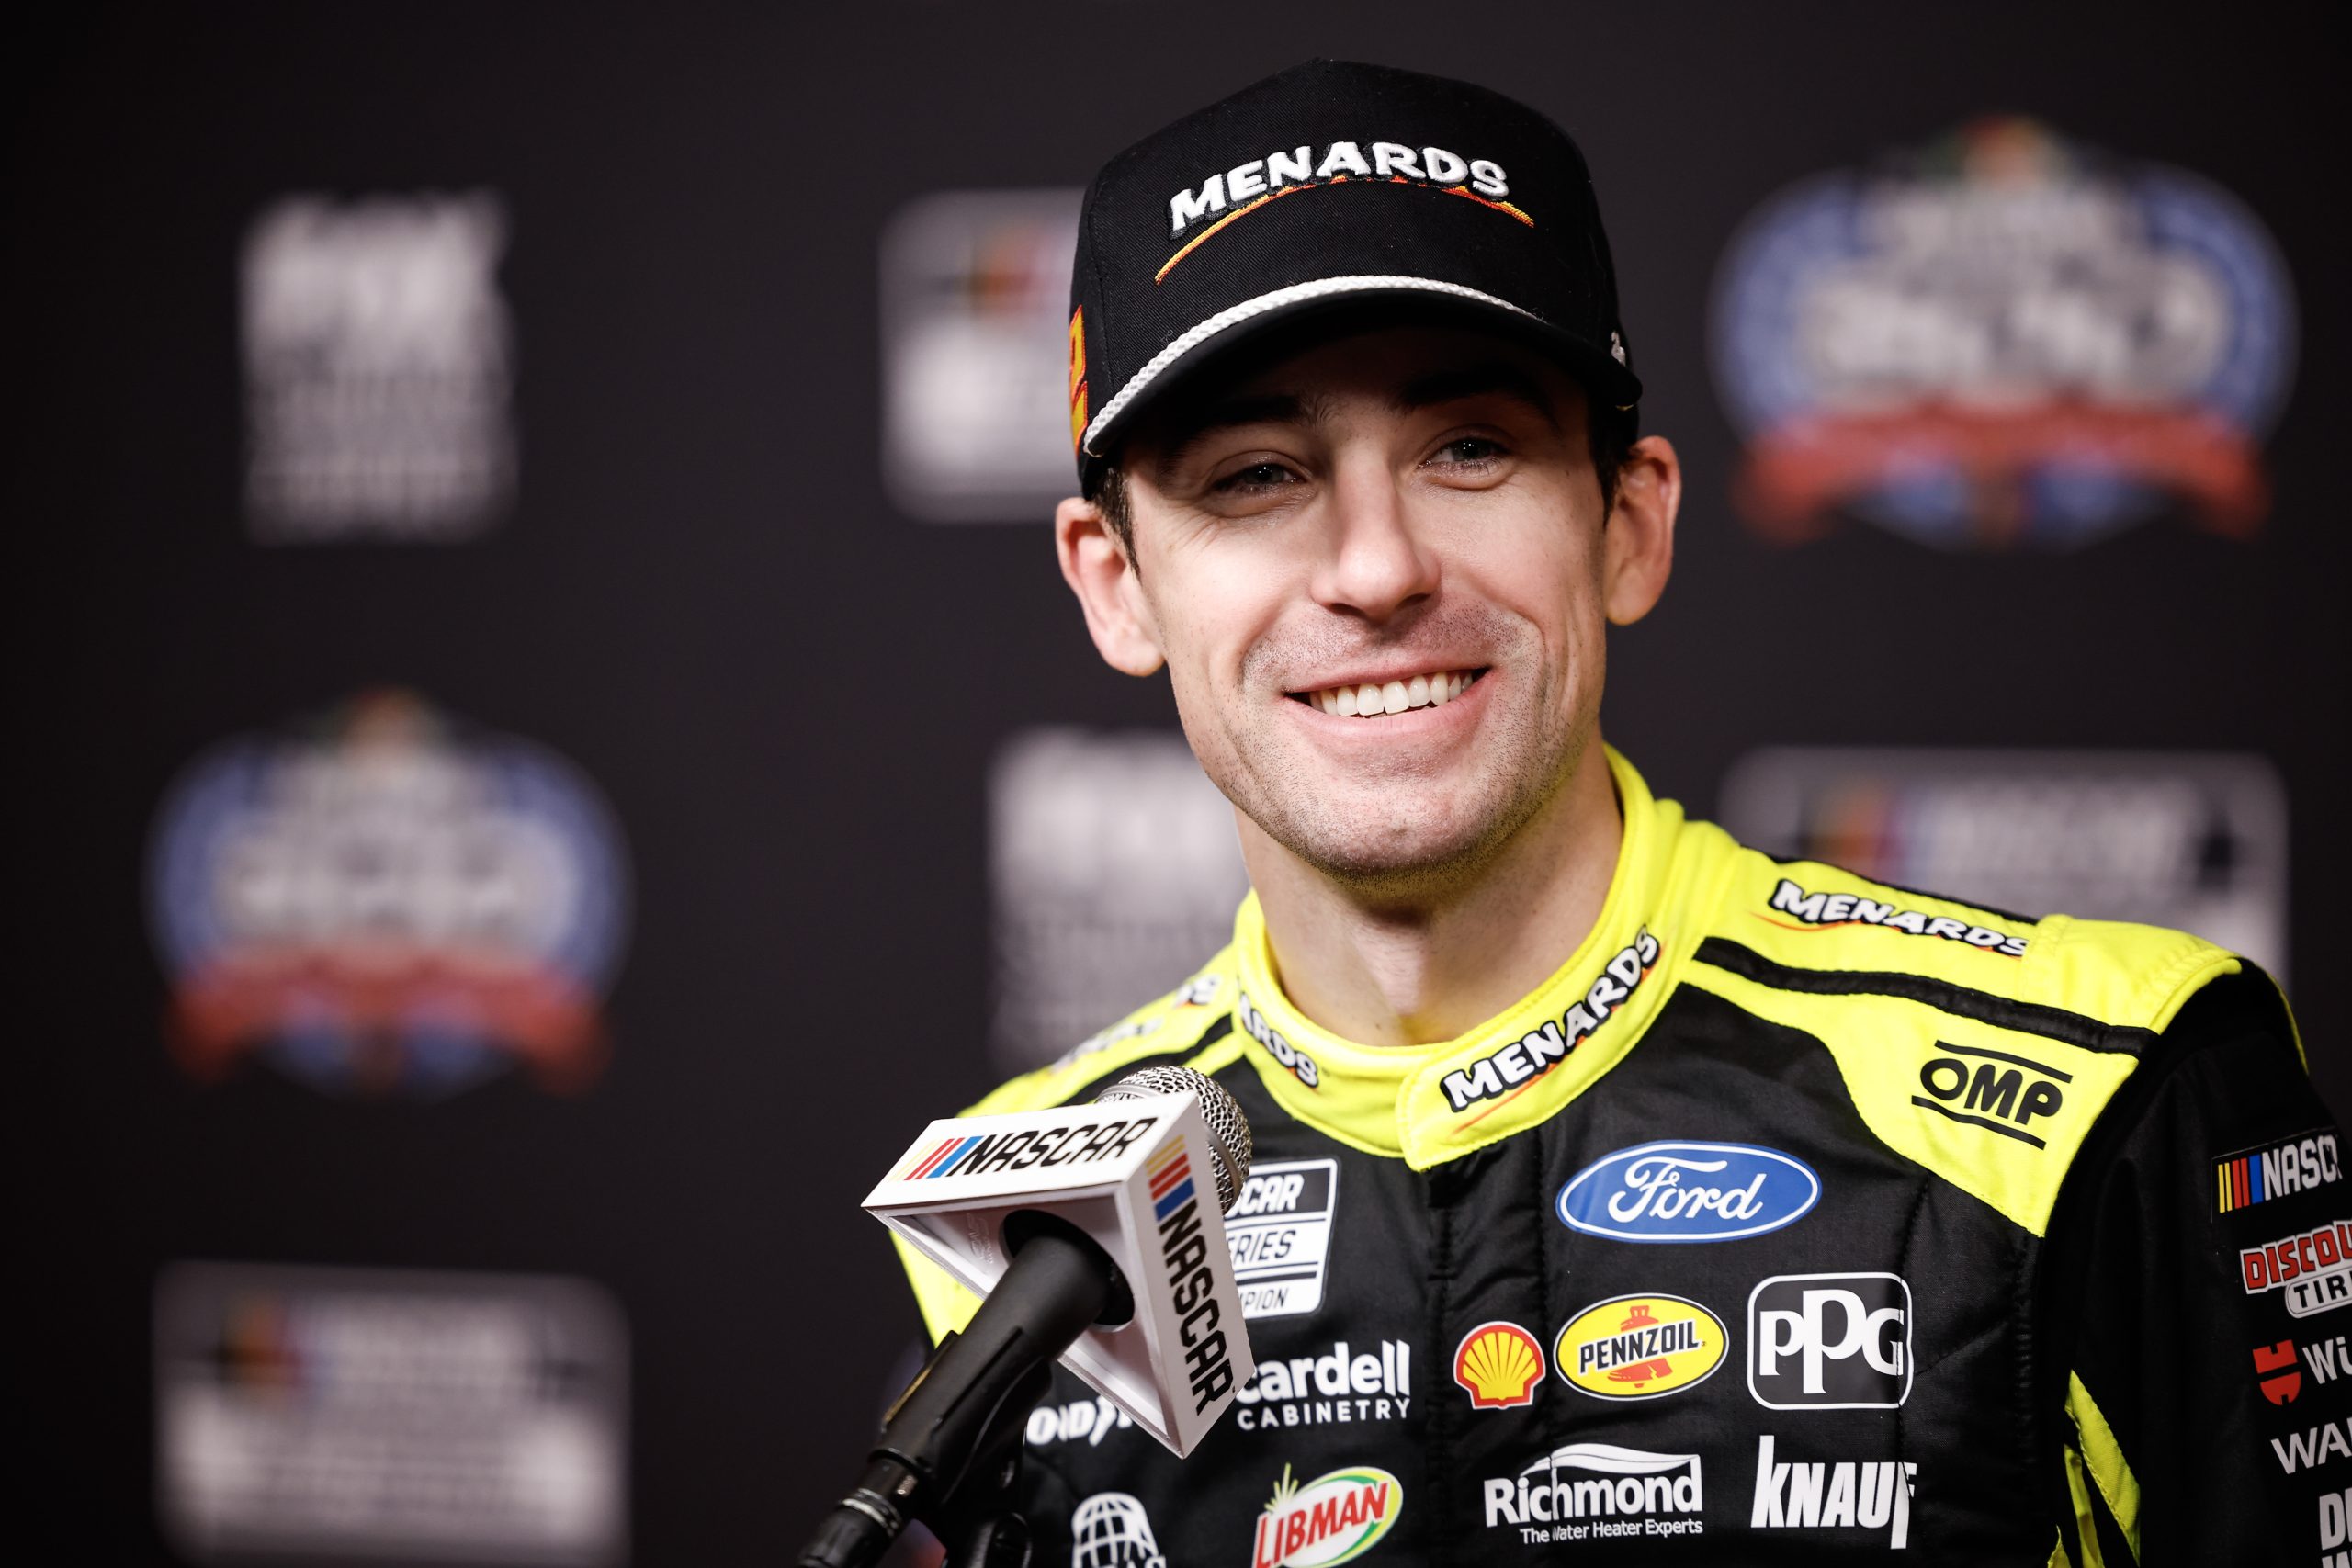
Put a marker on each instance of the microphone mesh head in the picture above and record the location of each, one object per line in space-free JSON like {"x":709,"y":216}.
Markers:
{"x":1230,"y":1148}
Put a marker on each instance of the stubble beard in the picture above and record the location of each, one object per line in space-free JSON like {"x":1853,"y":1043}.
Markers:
{"x":1379,"y":841}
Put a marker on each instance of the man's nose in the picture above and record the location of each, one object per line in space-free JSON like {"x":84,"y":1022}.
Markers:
{"x":1373,"y":564}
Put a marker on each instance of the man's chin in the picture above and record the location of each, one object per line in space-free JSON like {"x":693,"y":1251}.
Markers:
{"x":1399,"y":857}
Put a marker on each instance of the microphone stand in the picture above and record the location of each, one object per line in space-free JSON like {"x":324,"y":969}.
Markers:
{"x":949,"y":1452}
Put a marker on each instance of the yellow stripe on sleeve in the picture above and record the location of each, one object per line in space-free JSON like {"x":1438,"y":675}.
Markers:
{"x":2103,"y":1457}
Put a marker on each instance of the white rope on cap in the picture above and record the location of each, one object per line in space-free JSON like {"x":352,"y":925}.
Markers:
{"x":1235,"y":315}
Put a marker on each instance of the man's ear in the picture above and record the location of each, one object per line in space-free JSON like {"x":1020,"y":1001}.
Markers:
{"x":1639,"y":540}
{"x":1096,"y":567}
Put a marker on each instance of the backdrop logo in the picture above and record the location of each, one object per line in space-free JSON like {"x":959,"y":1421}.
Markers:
{"x":378,"y":368}
{"x":1113,"y":868}
{"x":380,"y":903}
{"x":2003,"y":337}
{"x":2196,"y":840}
{"x":983,"y":365}
{"x":335,"y":1415}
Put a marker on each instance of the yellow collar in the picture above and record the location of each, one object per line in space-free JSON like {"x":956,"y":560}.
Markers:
{"x":1434,"y":1103}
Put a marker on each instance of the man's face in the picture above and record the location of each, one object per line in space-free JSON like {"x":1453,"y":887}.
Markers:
{"x":1378,"y":574}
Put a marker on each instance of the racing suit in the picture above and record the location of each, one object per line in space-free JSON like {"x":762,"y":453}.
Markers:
{"x":1796,"y":1218}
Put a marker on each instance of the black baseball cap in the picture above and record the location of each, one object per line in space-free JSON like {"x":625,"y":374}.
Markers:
{"x":1322,"y":189}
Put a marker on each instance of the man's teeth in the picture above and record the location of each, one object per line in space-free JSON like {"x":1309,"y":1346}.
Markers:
{"x":1369,"y":699}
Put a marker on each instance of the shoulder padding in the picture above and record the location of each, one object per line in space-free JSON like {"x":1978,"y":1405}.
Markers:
{"x":1979,"y":1045}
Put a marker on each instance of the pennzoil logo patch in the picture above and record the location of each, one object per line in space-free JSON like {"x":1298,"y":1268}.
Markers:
{"x":1640,"y":1346}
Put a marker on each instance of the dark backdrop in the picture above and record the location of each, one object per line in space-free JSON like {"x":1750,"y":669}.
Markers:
{"x":789,"y":692}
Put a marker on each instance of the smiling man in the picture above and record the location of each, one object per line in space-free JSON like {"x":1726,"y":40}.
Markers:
{"x":1619,"y":1189}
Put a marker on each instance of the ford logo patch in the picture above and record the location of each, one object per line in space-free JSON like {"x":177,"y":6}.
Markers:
{"x":1689,"y":1193}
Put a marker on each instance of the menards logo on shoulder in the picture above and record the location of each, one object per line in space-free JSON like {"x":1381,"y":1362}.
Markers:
{"x":1333,"y":1518}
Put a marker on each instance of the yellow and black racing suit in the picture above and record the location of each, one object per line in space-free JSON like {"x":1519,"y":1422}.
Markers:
{"x":1796,"y":1218}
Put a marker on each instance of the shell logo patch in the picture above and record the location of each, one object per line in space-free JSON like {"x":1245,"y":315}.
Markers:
{"x":1640,"y":1346}
{"x":1499,"y":1363}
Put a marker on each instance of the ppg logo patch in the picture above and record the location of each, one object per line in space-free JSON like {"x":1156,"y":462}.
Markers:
{"x":1280,"y":1231}
{"x":1830,"y":1342}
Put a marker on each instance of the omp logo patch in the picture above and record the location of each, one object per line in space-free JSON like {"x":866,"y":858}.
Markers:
{"x":2278,"y":1170}
{"x":1279,"y":1233}
{"x":1823,"y":911}
{"x":1640,"y":1346}
{"x":1506,"y":1071}
{"x":1997,"y":1090}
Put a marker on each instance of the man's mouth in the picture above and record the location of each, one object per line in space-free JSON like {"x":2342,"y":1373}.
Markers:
{"x":1378,"y":699}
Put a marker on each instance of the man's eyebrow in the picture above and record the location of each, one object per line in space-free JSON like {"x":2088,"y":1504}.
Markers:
{"x":1227,"y":413}
{"x":1496,"y":376}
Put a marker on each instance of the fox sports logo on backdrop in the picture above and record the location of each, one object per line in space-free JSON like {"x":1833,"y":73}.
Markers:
{"x":2003,"y":338}
{"x":382,"y":903}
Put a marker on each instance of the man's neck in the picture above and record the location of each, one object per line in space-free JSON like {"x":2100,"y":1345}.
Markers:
{"x":1387,"y":973}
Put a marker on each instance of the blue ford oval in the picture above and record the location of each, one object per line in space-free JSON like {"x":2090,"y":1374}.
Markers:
{"x":1682,"y":1193}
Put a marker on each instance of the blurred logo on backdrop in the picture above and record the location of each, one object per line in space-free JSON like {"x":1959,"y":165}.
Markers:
{"x":379,"y":362}
{"x":2192,"y":840}
{"x":1113,"y":871}
{"x":381,"y":902}
{"x":343,"y":1413}
{"x":976,"y":355}
{"x":2003,"y":338}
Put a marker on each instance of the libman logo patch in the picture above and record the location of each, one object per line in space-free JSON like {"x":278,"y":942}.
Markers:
{"x":1332,"y":1519}
{"x":1503,"y":1072}
{"x":1640,"y":1346}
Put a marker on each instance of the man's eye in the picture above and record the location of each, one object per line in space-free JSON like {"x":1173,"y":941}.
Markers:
{"x":1257,"y":476}
{"x":1470,"y":451}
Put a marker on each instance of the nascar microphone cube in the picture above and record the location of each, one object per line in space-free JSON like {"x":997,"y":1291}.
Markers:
{"x":1136,"y":1176}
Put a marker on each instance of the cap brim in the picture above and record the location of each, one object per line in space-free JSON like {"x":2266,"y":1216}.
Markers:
{"x":1290,"y":320}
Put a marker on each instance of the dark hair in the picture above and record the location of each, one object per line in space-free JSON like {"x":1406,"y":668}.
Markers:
{"x":1609,"y":431}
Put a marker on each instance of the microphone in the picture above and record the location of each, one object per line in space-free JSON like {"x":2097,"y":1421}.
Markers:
{"x":1085,"y":1231}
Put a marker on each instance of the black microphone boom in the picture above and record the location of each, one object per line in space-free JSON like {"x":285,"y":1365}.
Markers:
{"x":977,"y":1384}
